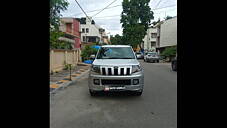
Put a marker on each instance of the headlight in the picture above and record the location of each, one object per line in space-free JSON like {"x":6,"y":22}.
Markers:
{"x":95,"y":68}
{"x":136,"y":68}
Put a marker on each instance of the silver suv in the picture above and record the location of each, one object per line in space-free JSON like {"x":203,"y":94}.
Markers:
{"x":116,"y":68}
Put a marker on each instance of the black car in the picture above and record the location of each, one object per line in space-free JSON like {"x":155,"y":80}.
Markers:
{"x":174,"y":64}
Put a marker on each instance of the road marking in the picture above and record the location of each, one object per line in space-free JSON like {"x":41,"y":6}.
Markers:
{"x":63,"y":81}
{"x":75,"y":75}
{"x":82,"y":70}
{"x":54,"y":86}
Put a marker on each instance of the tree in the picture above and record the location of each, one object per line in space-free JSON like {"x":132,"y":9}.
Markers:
{"x":168,"y":17}
{"x":169,"y":52}
{"x":87,"y":52}
{"x":55,"y":43}
{"x":116,"y":40}
{"x":135,"y":19}
{"x":56,"y":6}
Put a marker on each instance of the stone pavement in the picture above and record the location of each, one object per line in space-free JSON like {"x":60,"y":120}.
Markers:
{"x":62,"y":78}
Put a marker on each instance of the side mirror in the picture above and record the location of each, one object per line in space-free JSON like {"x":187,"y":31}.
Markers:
{"x":92,"y":57}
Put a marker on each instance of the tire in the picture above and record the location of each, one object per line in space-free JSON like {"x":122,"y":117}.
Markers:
{"x":92,"y":93}
{"x":138,"y":93}
{"x":157,"y":61}
{"x":174,"y":68}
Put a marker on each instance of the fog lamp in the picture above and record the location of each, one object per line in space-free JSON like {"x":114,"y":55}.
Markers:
{"x":96,"y":81}
{"x":135,"y":81}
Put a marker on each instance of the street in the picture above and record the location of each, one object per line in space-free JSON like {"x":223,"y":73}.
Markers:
{"x":156,"y":108}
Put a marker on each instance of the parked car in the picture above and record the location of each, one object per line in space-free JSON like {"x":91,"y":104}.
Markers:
{"x":151,"y":57}
{"x":116,"y":68}
{"x":139,"y":55}
{"x":174,"y":64}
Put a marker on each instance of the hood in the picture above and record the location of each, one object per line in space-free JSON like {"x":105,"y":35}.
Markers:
{"x":117,"y":62}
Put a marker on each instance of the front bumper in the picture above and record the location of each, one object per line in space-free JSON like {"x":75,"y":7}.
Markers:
{"x":131,"y":87}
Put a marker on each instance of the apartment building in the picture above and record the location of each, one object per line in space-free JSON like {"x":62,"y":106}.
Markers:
{"x":71,"y":29}
{"x":149,"y":41}
{"x":166,"y":34}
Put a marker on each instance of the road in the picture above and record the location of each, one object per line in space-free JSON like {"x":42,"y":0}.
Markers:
{"x":156,"y":108}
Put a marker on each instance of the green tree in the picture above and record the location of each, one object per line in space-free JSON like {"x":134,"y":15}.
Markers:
{"x":168,"y":17}
{"x":135,"y":19}
{"x":55,"y":43}
{"x":56,"y":6}
{"x":116,"y":40}
{"x":87,"y":52}
{"x":169,"y":52}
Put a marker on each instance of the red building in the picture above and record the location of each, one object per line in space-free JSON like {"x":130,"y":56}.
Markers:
{"x":71,"y":28}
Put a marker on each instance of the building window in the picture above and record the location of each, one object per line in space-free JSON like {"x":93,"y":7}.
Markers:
{"x":153,"y":44}
{"x":153,"y":35}
{"x":83,"y":30}
{"x":87,"y":30}
{"x":84,"y":39}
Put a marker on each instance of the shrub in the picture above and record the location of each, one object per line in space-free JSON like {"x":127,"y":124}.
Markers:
{"x":67,"y":67}
{"x":169,"y":52}
{"x":87,"y":52}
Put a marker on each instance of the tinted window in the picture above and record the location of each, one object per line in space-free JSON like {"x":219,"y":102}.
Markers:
{"x":115,"y":53}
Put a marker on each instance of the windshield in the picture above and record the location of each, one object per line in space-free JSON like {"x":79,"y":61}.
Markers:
{"x":152,"y":53}
{"x":115,"y":53}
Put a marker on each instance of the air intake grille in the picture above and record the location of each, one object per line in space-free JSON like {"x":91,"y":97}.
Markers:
{"x":127,"y":70}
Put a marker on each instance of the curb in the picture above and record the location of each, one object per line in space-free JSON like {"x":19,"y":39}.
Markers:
{"x":62,"y":84}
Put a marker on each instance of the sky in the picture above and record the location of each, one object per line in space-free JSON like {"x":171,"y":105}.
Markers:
{"x":109,"y":19}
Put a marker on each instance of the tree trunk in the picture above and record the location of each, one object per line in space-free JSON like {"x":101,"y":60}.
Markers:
{"x":140,"y":47}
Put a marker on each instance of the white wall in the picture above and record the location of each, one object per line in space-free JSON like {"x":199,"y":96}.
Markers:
{"x":147,"y":39}
{"x":93,"y":29}
{"x":168,"y":33}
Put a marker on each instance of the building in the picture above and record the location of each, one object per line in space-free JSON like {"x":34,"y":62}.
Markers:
{"x":71,"y":29}
{"x":149,"y":41}
{"x":91,"y":32}
{"x":166,"y":34}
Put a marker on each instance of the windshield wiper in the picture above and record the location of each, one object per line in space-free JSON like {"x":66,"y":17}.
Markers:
{"x":121,"y":58}
{"x":117,"y":58}
{"x":126,"y":58}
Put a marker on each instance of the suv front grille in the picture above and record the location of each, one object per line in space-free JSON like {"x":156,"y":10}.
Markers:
{"x":115,"y":82}
{"x":116,"y":70}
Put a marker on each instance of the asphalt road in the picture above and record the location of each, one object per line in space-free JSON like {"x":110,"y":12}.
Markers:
{"x":156,"y":108}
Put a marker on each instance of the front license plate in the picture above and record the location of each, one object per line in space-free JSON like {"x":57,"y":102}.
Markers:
{"x":116,"y":88}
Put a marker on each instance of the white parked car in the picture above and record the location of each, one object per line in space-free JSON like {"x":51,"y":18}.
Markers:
{"x":151,"y":57}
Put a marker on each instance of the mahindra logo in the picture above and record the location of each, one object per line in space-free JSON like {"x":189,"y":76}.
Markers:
{"x":115,"y":67}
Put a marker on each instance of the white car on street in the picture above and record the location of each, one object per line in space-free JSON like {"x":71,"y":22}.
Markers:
{"x":151,"y":57}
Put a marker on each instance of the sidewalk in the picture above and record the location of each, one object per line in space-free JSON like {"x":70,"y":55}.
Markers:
{"x":62,"y":78}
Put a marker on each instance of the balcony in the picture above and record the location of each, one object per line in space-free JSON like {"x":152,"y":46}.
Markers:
{"x":67,"y":39}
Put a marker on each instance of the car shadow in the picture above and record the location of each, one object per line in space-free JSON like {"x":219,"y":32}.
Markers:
{"x":116,"y":95}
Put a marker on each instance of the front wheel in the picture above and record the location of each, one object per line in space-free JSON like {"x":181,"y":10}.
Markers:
{"x":174,"y":68}
{"x":138,"y":93}
{"x":92,"y":93}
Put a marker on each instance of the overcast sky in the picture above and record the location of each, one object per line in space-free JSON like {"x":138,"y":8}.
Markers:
{"x":109,"y":19}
